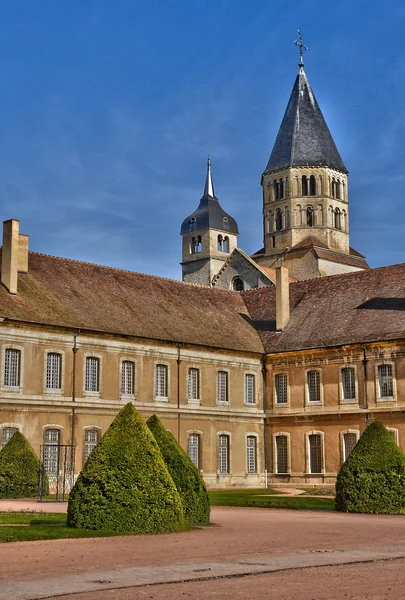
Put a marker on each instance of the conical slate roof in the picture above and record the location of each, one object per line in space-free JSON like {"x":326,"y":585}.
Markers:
{"x":209,"y":212}
{"x":304,"y":139}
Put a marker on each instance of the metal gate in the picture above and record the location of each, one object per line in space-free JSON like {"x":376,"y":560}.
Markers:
{"x":57,"y":464}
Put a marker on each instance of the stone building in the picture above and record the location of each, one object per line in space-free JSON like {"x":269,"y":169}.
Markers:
{"x":277,"y":378}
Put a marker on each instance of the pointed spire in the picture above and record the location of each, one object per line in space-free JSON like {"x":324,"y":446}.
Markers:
{"x":209,"y":186}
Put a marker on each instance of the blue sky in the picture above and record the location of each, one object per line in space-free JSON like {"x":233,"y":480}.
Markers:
{"x":109,"y":109}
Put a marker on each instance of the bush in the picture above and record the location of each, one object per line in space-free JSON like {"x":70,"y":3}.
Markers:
{"x":125,"y":485}
{"x":372,"y":479}
{"x":19,"y":469}
{"x":186,"y":476}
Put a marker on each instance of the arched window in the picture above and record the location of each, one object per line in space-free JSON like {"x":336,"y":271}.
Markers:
{"x":304,"y":185}
{"x":281,"y":188}
{"x":298,"y":215}
{"x":271,"y":223}
{"x":91,"y":437}
{"x":333,"y":188}
{"x":225,"y":223}
{"x":219,"y":244}
{"x":312,"y":186}
{"x":51,"y":451}
{"x":225,"y":247}
{"x":337,"y":187}
{"x":338,"y":221}
{"x":199,"y":244}
{"x":192,"y":224}
{"x":237,"y":284}
{"x":344,"y":220}
{"x":279,"y":220}
{"x":310,"y":216}
{"x":287,"y":217}
{"x":276,"y":187}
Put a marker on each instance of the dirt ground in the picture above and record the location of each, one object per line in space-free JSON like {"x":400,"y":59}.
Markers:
{"x":240,"y":536}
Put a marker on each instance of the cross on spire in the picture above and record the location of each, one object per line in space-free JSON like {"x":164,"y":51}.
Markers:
{"x":301,"y":47}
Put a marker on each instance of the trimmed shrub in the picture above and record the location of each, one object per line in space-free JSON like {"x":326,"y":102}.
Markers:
{"x":19,"y":469}
{"x":372,"y":479}
{"x":186,"y":476}
{"x":125,"y":485}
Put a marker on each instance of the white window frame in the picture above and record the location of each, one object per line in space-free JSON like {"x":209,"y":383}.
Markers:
{"x":252,"y":435}
{"x":281,"y":404}
{"x":8,"y":426}
{"x":12,"y":388}
{"x":356,"y":385}
{"x":60,"y":429}
{"x":126,"y":359}
{"x":275,"y":461}
{"x":55,"y":391}
{"x":342,"y":441}
{"x":395,"y":433}
{"x":156,"y":398}
{"x":189,"y":399}
{"x":199,"y":459}
{"x":309,"y":402}
{"x":254,"y":394}
{"x":89,"y":393}
{"x":380,"y":398}
{"x":228,"y":472}
{"x":223,"y":402}
{"x":90,"y":428}
{"x":308,"y":454}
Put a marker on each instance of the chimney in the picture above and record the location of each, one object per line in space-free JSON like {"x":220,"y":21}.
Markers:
{"x":282,"y":298}
{"x":14,"y":254}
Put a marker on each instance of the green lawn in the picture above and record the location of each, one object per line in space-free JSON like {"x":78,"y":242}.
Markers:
{"x":247,"y":497}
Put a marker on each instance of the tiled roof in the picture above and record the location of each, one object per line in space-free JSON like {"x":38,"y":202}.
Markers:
{"x":75,"y":294}
{"x":343,"y":259}
{"x":342,"y":309}
{"x":309,"y":242}
{"x":304,"y":138}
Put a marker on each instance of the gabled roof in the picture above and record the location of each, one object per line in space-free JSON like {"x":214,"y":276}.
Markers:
{"x":79,"y":295}
{"x":270,"y":274}
{"x":304,"y":138}
{"x":209,"y":213}
{"x":351,"y":308}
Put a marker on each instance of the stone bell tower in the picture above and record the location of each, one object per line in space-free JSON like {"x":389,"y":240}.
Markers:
{"x":209,"y":236}
{"x":305,"y":193}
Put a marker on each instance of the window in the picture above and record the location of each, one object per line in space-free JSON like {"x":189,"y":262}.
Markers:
{"x":192,"y":224}
{"x":222,"y":386}
{"x":53,"y":371}
{"x":194,"y":448}
{"x":281,"y":383}
{"x":348,"y":383}
{"x":279,"y":220}
{"x":12,"y":362}
{"x":304,"y":181}
{"x":385,"y":381}
{"x":223,"y":453}
{"x":315,"y":453}
{"x":127,"y":377}
{"x":92,"y":374}
{"x":338,"y":221}
{"x":337,"y":189}
{"x":225,"y":223}
{"x":90,"y":442}
{"x":193,"y":384}
{"x":161,"y":381}
{"x":226,"y":244}
{"x":281,"y":454}
{"x":314,"y":386}
{"x":249,"y":389}
{"x":394,"y":434}
{"x":312,"y":186}
{"x":196,"y":245}
{"x":287,"y":217}
{"x":237,"y":284}
{"x":219,"y":244}
{"x":273,"y":241}
{"x":51,"y":451}
{"x":7,"y":434}
{"x":310,"y":216}
{"x":349,"y":442}
{"x":278,"y":189}
{"x":281,"y":188}
{"x":251,"y":446}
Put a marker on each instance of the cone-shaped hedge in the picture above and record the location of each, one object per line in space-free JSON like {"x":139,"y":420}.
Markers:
{"x":125,"y":485}
{"x":19,"y":469}
{"x":188,"y":480}
{"x":372,"y":479}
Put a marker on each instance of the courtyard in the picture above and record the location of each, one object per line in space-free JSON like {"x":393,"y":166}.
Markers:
{"x":245,"y":552}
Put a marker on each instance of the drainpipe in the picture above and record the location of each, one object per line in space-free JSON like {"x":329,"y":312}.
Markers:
{"x":72,"y":423}
{"x":178,"y":391}
{"x":264,"y":373}
{"x":365,"y":362}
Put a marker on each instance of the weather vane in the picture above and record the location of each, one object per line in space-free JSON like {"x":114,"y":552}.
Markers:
{"x":302,"y":47}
